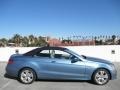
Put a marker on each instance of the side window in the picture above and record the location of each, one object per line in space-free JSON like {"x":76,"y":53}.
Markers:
{"x":61,"y":54}
{"x":43,"y":53}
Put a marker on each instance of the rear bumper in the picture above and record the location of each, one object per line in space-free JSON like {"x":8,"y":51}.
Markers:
{"x":11,"y":71}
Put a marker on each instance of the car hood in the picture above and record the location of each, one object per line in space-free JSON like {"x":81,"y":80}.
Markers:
{"x":97,"y":60}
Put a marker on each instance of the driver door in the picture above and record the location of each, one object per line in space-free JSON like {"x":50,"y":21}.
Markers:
{"x":62,"y":66}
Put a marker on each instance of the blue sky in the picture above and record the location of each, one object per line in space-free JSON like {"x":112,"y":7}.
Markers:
{"x":59,"y":18}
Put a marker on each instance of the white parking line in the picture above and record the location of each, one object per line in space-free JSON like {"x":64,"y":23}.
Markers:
{"x":4,"y":86}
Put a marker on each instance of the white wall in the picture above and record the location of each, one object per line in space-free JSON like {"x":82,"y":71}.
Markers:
{"x":6,"y":52}
{"x":103,"y":52}
{"x":95,"y":51}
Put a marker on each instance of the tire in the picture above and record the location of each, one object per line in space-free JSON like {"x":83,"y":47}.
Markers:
{"x":101,"y":76}
{"x":27,"y":76}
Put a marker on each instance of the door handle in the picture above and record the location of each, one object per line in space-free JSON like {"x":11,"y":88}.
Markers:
{"x":53,"y":61}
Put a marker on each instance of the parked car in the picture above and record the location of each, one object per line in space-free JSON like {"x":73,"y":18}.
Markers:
{"x":59,"y":63}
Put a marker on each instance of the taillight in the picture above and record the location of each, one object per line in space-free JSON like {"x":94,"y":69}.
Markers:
{"x":10,"y":61}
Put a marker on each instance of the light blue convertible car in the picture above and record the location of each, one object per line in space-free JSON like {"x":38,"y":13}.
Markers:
{"x":60,"y":64}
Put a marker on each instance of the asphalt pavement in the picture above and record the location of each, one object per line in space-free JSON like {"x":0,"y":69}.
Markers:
{"x":12,"y":84}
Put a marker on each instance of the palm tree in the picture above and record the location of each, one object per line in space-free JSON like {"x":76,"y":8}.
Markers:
{"x":113,"y":39}
{"x":109,"y":37}
{"x":25,"y":41}
{"x":31,"y":39}
{"x":17,"y":39}
{"x":106,"y":37}
{"x":36,"y":40}
{"x":103,"y":36}
{"x":3,"y":41}
{"x":117,"y":37}
{"x":100,"y":36}
{"x":73,"y":38}
{"x":70,"y":37}
{"x":41,"y":41}
{"x":62,"y":38}
{"x":80,"y":37}
{"x":92,"y":37}
{"x":95,"y":38}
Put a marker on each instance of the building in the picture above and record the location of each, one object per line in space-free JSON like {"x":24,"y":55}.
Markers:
{"x":56,"y":42}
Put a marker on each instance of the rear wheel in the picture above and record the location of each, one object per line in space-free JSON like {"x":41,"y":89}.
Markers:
{"x":27,"y":76}
{"x":101,"y":76}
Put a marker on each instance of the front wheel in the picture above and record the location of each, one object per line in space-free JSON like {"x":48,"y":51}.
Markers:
{"x":27,"y":76}
{"x":101,"y":76}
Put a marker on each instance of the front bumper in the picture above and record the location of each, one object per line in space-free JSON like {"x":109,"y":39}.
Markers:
{"x":113,"y":73}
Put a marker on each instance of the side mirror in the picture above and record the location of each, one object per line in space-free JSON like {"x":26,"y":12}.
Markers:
{"x":75,"y":59}
{"x":84,"y":56}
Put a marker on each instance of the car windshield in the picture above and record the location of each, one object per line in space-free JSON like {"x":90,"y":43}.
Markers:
{"x":72,"y":52}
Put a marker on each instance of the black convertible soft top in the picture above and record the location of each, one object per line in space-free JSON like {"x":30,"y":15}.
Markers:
{"x":32,"y":52}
